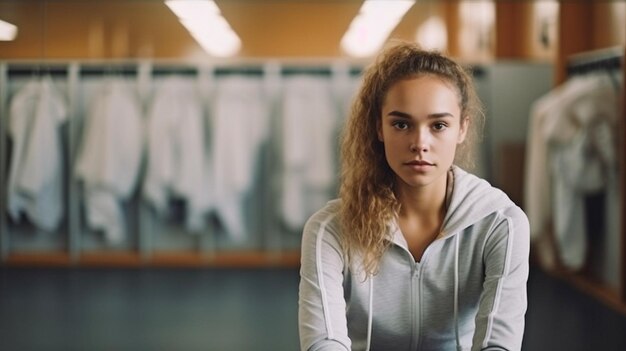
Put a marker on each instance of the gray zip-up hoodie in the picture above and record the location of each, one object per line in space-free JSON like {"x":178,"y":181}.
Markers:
{"x":467,"y":292}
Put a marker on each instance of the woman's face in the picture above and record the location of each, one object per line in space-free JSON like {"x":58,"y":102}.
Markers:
{"x":420,"y":128}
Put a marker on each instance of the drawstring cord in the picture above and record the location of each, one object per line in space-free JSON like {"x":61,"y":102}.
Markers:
{"x":456,"y":292}
{"x":370,"y":313}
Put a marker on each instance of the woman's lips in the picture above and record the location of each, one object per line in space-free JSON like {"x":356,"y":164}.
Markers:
{"x":419,"y":166}
{"x":419,"y":163}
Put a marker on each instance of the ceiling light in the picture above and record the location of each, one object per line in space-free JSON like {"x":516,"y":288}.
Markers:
{"x":207,"y":26}
{"x":185,"y":9}
{"x":432,"y":34}
{"x":372,"y":25}
{"x":8,"y":31}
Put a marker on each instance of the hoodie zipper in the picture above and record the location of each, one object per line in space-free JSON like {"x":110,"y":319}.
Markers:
{"x":414,"y":304}
{"x":416,"y":298}
{"x":416,"y":292}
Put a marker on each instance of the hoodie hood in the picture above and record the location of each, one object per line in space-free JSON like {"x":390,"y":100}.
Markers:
{"x":472,"y":200}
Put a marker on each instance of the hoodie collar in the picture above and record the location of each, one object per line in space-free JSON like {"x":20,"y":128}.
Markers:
{"x":471,"y":200}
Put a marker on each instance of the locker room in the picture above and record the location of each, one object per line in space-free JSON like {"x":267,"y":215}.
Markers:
{"x":158,"y":167}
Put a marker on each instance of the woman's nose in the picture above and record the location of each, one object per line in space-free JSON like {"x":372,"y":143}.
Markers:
{"x":419,"y":142}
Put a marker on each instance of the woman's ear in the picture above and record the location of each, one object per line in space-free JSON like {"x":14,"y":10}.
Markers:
{"x":465,"y":121}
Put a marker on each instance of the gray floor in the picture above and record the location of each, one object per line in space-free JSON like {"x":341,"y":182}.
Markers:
{"x":229,"y":309}
{"x":148,"y":309}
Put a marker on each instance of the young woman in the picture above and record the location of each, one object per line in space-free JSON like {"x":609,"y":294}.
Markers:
{"x":417,"y":254}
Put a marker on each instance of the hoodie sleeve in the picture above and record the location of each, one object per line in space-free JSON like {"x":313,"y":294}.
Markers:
{"x":503,"y":301}
{"x":322,"y":307}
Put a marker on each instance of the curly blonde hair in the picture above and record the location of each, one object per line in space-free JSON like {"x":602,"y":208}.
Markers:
{"x":368,"y":203}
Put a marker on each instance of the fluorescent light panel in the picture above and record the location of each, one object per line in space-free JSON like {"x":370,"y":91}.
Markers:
{"x":203,"y":20}
{"x":372,"y":25}
{"x":8,"y":31}
{"x":432,"y":34}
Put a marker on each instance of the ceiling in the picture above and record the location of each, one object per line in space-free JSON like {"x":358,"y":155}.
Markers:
{"x":62,"y":29}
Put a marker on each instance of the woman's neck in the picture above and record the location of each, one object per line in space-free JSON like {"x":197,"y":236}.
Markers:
{"x":425,"y":203}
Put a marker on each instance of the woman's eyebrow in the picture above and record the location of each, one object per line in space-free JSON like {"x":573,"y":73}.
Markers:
{"x":440,"y":115}
{"x":406,"y":115}
{"x":399,"y":114}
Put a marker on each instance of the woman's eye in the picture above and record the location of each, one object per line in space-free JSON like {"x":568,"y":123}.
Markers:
{"x":439,"y":126}
{"x":400,"y":125}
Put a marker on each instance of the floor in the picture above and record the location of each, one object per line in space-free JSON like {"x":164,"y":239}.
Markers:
{"x":229,"y":309}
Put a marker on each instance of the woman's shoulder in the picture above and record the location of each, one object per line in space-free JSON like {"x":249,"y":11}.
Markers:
{"x":326,"y":216}
{"x":518,"y":220}
{"x":323,"y":228}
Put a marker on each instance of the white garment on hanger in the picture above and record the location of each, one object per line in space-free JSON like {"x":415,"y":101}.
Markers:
{"x":577,"y":130}
{"x":309,"y":133}
{"x":537,"y":187}
{"x":35,"y":180}
{"x":240,"y":126}
{"x":577,"y":172}
{"x":110,"y":155}
{"x":348,"y":97}
{"x":177,"y":155}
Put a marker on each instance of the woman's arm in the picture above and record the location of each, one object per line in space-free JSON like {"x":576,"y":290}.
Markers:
{"x":500,"y":317}
{"x":322,"y":307}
